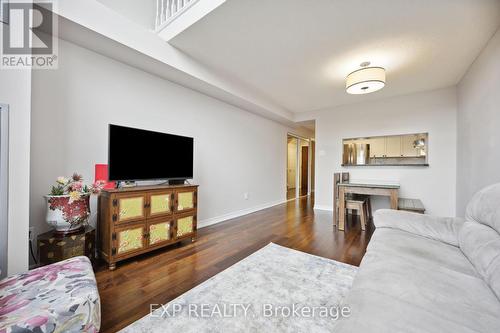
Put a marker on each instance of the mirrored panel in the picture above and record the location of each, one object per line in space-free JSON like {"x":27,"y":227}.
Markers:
{"x":403,"y":150}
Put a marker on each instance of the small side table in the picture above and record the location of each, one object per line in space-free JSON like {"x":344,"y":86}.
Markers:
{"x":53,"y":247}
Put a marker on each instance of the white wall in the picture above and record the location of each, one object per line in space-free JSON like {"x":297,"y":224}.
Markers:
{"x":235,"y":151}
{"x":433,"y":112}
{"x":15,"y":90}
{"x":478,"y":158}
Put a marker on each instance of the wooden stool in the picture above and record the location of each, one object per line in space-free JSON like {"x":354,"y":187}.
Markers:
{"x":363,"y":206}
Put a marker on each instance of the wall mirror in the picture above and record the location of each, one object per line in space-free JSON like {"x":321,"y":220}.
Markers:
{"x":389,"y":150}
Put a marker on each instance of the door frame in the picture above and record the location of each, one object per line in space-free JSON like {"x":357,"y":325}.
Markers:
{"x":4,"y":187}
{"x":286,"y":161}
{"x":298,"y":166}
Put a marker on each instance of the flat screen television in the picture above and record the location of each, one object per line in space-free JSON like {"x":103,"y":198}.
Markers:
{"x":136,"y":154}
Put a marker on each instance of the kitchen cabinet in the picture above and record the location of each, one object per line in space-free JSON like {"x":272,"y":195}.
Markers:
{"x":405,"y":149}
{"x":393,"y":146}
{"x":385,"y":147}
{"x":377,"y":147}
{"x":408,"y":147}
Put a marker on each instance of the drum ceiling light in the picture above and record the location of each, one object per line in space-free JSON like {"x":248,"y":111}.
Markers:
{"x":365,"y":80}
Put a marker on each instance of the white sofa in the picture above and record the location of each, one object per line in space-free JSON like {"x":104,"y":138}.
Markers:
{"x":430,"y":274}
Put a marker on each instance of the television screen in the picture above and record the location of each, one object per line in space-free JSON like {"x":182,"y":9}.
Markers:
{"x":136,"y":154}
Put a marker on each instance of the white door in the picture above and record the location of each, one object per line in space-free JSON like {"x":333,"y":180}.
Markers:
{"x":3,"y":188}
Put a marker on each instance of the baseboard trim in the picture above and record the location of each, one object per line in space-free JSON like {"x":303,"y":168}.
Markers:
{"x":232,"y":215}
{"x":323,"y":207}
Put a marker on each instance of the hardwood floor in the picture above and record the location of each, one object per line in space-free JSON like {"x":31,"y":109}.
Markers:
{"x":290,"y":194}
{"x":158,"y":277}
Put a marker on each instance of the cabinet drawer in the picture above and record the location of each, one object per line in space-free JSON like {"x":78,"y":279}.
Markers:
{"x":185,"y":225}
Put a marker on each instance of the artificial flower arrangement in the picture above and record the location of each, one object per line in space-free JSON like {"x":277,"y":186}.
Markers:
{"x":75,"y":187}
{"x":68,"y":206}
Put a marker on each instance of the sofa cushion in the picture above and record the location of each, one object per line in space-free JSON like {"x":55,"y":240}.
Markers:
{"x":61,"y":297}
{"x":443,"y":229}
{"x":409,"y":283}
{"x":481,"y":245}
{"x":484,"y":207}
{"x":390,"y":242}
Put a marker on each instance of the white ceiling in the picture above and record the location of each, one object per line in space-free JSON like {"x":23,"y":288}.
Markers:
{"x":142,"y":12}
{"x":298,"y":52}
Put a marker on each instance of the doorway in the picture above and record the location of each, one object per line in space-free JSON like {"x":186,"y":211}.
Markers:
{"x":4,"y":127}
{"x":291,"y":167}
{"x":298,"y":167}
{"x":304,"y":168}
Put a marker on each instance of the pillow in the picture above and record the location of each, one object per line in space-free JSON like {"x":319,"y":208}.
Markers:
{"x":484,"y":207}
{"x":481,"y":245}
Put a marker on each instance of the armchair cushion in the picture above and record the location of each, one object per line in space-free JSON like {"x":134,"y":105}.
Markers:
{"x":61,"y":297}
{"x":443,"y":229}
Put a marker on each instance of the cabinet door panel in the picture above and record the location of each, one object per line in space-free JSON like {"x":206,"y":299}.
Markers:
{"x":408,"y":146}
{"x":377,"y":147}
{"x":185,"y":226}
{"x":131,"y":208}
{"x":185,"y":200}
{"x":129,"y":239}
{"x":160,"y":232}
{"x":393,"y":146}
{"x":160,"y":204}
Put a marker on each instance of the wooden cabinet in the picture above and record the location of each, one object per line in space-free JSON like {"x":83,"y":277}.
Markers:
{"x":53,"y":247}
{"x":140,"y":219}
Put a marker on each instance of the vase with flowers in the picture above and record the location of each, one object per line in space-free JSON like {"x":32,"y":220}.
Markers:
{"x":68,"y":204}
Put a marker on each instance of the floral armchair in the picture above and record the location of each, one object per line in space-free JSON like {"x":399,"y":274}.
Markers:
{"x":61,"y":297}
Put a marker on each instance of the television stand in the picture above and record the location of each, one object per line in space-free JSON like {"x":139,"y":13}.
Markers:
{"x":176,"y":181}
{"x":140,"y":219}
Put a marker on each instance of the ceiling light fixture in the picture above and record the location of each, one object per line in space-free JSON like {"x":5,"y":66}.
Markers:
{"x":365,"y":80}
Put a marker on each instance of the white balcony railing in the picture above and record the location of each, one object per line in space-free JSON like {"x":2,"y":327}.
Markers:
{"x":169,"y":10}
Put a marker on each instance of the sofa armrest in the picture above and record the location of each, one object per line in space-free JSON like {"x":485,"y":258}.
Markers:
{"x":443,"y":229}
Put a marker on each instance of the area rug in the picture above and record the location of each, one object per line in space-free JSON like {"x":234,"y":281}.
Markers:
{"x":276,"y":289}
